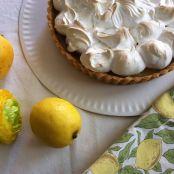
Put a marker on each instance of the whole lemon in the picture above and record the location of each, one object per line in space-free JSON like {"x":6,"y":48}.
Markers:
{"x":10,"y":119}
{"x":6,"y":56}
{"x":55,"y":121}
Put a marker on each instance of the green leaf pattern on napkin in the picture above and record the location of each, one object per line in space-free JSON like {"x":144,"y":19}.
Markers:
{"x":139,"y":137}
{"x":133,"y":152}
{"x":149,"y":135}
{"x":124,"y":154}
{"x":171,"y":92}
{"x":157,"y":167}
{"x":152,"y":121}
{"x":150,"y":126}
{"x":169,"y":155}
{"x":115,"y":148}
{"x":130,"y":170}
{"x":125,"y":138}
{"x":168,"y":171}
{"x":170,"y":124}
{"x":167,"y":136}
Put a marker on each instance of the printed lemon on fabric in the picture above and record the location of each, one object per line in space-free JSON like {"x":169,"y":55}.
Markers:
{"x":165,"y":104}
{"x":106,"y":164}
{"x":10,"y":119}
{"x":148,"y":154}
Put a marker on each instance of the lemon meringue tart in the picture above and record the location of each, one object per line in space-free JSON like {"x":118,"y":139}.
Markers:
{"x":115,"y":41}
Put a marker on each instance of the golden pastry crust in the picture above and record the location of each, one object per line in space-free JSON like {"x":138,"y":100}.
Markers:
{"x":74,"y":59}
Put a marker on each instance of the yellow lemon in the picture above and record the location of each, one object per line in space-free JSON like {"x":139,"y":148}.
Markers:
{"x":148,"y":154}
{"x":6,"y":56}
{"x":55,"y":121}
{"x":10,"y":120}
{"x":165,"y":105}
{"x":107,"y":163}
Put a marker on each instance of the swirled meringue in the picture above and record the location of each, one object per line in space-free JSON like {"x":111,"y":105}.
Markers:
{"x":78,"y":39}
{"x":104,"y":22}
{"x":165,"y":13}
{"x":101,"y":6}
{"x":147,"y":30}
{"x":127,"y":62}
{"x":166,"y":2}
{"x":156,"y":2}
{"x":121,"y":39}
{"x":59,"y":4}
{"x":168,"y":38}
{"x":162,"y":2}
{"x":64,"y":20}
{"x":156,"y":54}
{"x":98,"y":60}
{"x":130,"y":12}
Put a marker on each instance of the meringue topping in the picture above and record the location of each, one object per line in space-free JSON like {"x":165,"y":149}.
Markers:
{"x":98,"y":60}
{"x":122,"y":36}
{"x":77,"y":39}
{"x":147,"y":30}
{"x":127,"y":62}
{"x":102,"y":6}
{"x":165,"y":13}
{"x":129,"y":12}
{"x":166,"y":2}
{"x":59,"y":4}
{"x":156,"y":54}
{"x":64,"y":20}
{"x":121,"y":39}
{"x":168,"y":38}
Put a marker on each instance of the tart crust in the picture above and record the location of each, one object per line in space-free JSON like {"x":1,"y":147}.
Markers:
{"x":74,"y":59}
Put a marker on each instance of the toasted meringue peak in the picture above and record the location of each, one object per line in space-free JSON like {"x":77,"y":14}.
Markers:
{"x":98,"y":60}
{"x":156,"y":54}
{"x":168,"y":38}
{"x":165,"y":13}
{"x":65,"y":19}
{"x":166,"y":2}
{"x":121,"y":39}
{"x":147,"y":30}
{"x":78,"y":39}
{"x":136,"y":7}
{"x":127,"y":62}
{"x":102,"y":6}
{"x":104,"y":22}
{"x":59,"y":4}
{"x":130,"y":12}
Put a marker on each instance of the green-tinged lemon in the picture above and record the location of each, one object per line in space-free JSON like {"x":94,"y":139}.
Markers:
{"x":165,"y":105}
{"x":10,"y":119}
{"x":55,"y":121}
{"x":106,"y":164}
{"x":6,"y":56}
{"x":148,"y":154}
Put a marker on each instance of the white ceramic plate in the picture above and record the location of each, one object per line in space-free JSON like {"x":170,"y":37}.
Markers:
{"x":65,"y":81}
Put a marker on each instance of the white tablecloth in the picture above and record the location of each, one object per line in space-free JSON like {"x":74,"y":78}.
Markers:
{"x":28,"y":155}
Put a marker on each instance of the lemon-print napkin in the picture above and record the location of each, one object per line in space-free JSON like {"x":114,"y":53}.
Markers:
{"x":148,"y":145}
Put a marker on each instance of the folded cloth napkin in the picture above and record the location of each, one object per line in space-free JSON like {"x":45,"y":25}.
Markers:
{"x":148,"y":145}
